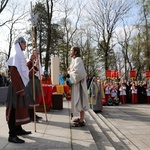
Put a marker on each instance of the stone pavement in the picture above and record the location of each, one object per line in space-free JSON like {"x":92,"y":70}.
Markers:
{"x":123,"y":127}
{"x":54,"y":134}
{"x":127,"y":126}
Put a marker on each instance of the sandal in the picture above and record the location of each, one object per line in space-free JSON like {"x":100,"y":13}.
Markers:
{"x":76,"y":120}
{"x":78,"y":124}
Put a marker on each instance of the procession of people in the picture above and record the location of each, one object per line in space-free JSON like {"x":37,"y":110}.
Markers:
{"x":25,"y":86}
{"x":122,"y":92}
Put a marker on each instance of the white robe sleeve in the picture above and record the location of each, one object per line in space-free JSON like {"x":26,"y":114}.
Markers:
{"x":77,"y":71}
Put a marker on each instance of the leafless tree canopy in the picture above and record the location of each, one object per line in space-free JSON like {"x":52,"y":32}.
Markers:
{"x":3,"y":5}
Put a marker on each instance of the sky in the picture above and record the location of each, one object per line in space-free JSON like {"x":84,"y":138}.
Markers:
{"x":4,"y":32}
{"x":26,"y":24}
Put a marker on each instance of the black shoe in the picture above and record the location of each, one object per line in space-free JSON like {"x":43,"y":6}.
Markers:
{"x":23,"y":132}
{"x":15,"y":139}
{"x":32,"y":119}
{"x":97,"y":111}
{"x":38,"y":118}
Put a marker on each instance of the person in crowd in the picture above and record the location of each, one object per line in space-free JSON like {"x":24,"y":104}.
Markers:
{"x":107,"y":90}
{"x":96,"y":96}
{"x":113,"y":91}
{"x":79,"y":95}
{"x":34,"y":76}
{"x":141,"y":93}
{"x":102,"y":92}
{"x":1,"y":81}
{"x":134,"y":93}
{"x":89,"y":82}
{"x":17,"y":98}
{"x":122,"y":91}
{"x":46,"y":79}
{"x":8,"y":80}
{"x":4,"y":79}
{"x":67,"y":86}
{"x":61,"y":79}
{"x":68,"y":82}
{"x":128,"y":91}
{"x":148,"y":92}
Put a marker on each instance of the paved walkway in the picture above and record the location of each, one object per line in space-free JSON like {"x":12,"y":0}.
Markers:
{"x":128,"y":124}
{"x":54,"y":134}
{"x":123,"y":127}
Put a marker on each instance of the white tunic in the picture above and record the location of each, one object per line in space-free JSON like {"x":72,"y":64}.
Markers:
{"x":79,"y":95}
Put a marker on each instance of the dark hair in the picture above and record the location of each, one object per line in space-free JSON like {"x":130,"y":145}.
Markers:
{"x":77,"y":50}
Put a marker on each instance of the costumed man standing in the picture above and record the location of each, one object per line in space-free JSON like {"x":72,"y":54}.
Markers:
{"x":17,"y":98}
{"x":79,"y":95}
{"x":96,"y":96}
{"x":102,"y":92}
{"x":36,"y":71}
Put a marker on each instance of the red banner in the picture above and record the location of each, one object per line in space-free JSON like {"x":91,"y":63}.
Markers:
{"x":113,"y":74}
{"x":147,"y":74}
{"x":108,"y":73}
{"x":119,"y":73}
{"x":133,"y":74}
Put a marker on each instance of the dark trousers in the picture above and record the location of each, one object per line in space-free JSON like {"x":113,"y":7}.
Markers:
{"x":11,"y":124}
{"x":31,"y":113}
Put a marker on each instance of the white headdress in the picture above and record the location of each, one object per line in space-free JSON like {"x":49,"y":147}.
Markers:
{"x":18,"y":60}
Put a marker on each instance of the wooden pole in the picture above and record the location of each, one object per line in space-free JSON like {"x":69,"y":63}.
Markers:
{"x":34,"y":47}
{"x":33,"y":79}
{"x":103,"y":94}
{"x":42,"y":92}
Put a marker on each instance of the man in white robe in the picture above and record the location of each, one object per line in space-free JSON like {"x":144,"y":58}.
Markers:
{"x":79,"y":95}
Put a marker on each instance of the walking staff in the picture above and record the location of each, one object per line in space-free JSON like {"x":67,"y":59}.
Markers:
{"x":34,"y":46}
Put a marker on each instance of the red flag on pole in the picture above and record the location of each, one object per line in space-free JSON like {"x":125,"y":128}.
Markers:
{"x":147,"y":73}
{"x":132,"y":74}
{"x":108,"y":73}
{"x":113,"y":74}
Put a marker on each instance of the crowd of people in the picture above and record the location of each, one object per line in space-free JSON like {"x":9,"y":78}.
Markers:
{"x":122,"y":92}
{"x":4,"y":80}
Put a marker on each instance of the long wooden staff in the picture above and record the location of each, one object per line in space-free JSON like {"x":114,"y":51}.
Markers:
{"x":42,"y":93}
{"x":103,"y":94}
{"x":34,"y":46}
{"x":33,"y":79}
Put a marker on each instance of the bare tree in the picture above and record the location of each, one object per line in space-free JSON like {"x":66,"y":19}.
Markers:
{"x":49,"y":22}
{"x":14,"y":26}
{"x":124,"y":42}
{"x":72,"y":14}
{"x":3,"y":5}
{"x":105,"y":16}
{"x":145,"y":21}
{"x":16,"y":19}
